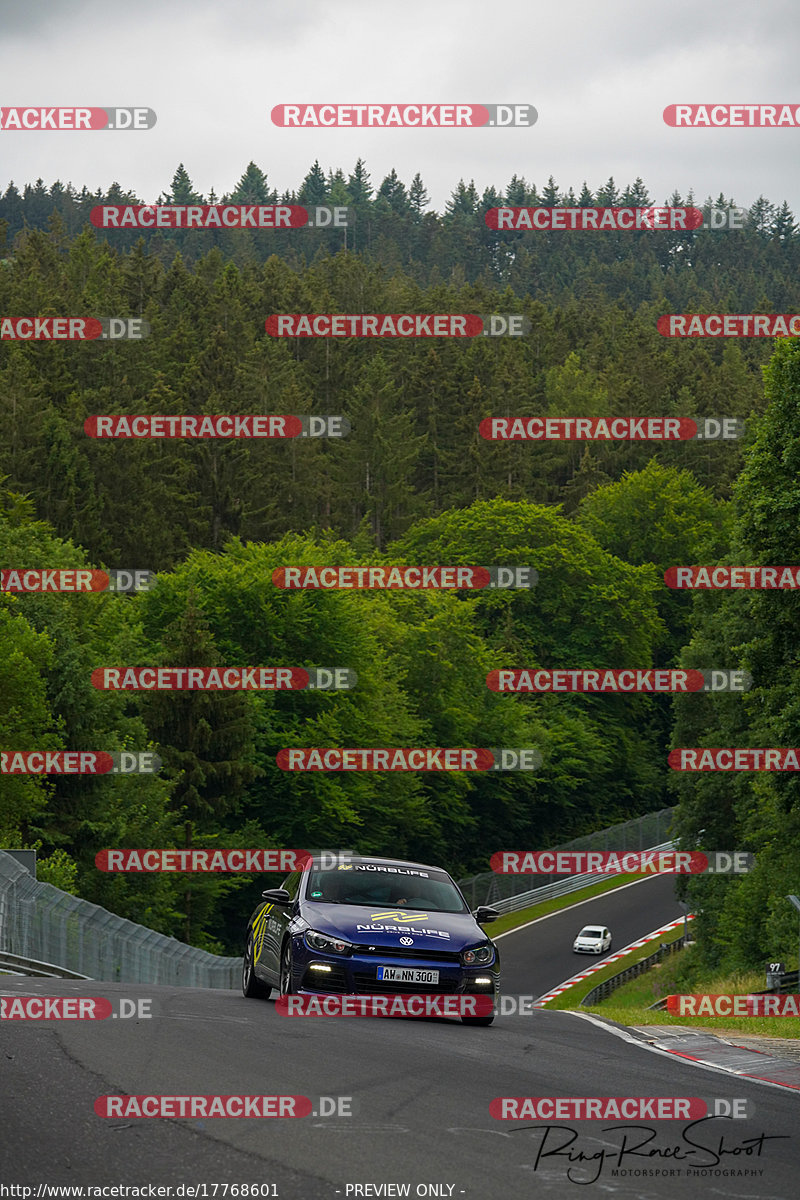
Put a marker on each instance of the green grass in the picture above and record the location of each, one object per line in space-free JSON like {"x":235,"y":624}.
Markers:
{"x":513,"y":920}
{"x":628,"y":1005}
{"x":572,"y":997}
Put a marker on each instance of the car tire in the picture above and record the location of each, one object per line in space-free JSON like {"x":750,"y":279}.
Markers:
{"x":252,"y":987}
{"x":287,"y":988}
{"x":477,"y":1020}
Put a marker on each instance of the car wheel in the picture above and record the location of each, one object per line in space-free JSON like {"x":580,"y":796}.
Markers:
{"x":252,"y":987}
{"x":477,"y":1020}
{"x":287,"y":987}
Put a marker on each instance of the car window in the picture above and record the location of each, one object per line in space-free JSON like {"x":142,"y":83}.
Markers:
{"x":292,"y":883}
{"x":413,"y":892}
{"x":595,"y":933}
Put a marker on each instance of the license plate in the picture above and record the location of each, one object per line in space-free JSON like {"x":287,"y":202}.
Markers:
{"x":407,"y":975}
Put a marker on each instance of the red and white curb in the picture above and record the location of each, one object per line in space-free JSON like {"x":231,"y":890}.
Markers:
{"x":598,"y":966}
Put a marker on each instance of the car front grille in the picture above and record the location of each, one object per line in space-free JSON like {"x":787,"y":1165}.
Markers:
{"x":435,"y":955}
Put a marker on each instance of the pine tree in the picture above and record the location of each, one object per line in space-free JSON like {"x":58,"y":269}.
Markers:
{"x":252,"y":188}
{"x":182,"y":189}
{"x":551,"y":195}
{"x":463,"y":199}
{"x":608,"y":196}
{"x":314,"y":189}
{"x":586,"y":199}
{"x":418,"y":197}
{"x":205,"y":739}
{"x":784,"y":226}
{"x":12,"y":209}
{"x":358,"y":184}
{"x":393,"y":192}
{"x":636,"y":195}
{"x":516,"y":192}
{"x":760,"y":216}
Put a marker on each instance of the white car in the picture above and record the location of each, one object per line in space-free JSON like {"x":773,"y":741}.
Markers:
{"x":592,"y":939}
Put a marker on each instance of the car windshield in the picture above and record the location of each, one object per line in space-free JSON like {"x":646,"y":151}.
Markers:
{"x":370,"y":885}
{"x":593,"y":933}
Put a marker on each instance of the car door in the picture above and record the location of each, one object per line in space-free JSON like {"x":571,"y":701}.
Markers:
{"x":263,"y":928}
{"x":277,"y":922}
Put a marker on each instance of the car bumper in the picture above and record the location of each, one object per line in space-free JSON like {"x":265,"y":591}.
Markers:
{"x":357,"y":974}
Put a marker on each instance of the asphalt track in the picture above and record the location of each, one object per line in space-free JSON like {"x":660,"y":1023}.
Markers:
{"x":538,"y":957}
{"x":420,"y":1093}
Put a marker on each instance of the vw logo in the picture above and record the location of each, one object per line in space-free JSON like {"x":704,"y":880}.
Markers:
{"x":406,"y":941}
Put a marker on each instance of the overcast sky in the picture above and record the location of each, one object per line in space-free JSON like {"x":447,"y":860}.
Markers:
{"x":599,"y":74}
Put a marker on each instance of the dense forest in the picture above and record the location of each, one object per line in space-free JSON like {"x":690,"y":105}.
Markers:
{"x":412,"y":483}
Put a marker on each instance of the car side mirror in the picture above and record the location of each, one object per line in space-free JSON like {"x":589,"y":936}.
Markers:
{"x":276,"y":896}
{"x":483,"y":914}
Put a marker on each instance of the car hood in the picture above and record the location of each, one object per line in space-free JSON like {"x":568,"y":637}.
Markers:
{"x":385,"y":926}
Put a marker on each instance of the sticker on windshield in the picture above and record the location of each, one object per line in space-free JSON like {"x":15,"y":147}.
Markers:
{"x":391,"y":870}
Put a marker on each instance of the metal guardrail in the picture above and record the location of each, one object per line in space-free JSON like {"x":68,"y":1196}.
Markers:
{"x":607,"y":986}
{"x":18,"y":965}
{"x":41,"y":924}
{"x":561,"y":887}
{"x":647,"y":832}
{"x":788,"y":983}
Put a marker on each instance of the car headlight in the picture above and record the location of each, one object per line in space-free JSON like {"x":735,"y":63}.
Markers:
{"x":478,"y":956}
{"x":328,"y":945}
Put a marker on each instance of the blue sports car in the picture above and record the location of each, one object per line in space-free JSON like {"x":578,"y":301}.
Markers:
{"x":370,"y":926}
